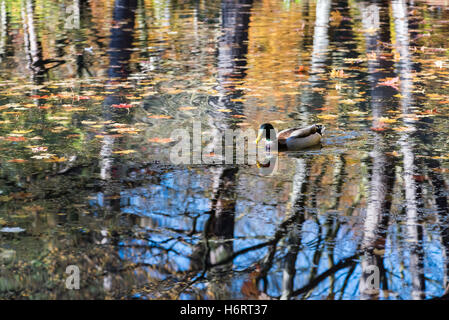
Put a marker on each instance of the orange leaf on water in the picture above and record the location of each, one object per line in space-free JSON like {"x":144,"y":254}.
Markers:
{"x":17,"y":160}
{"x":39,"y":97}
{"x":160,"y":140}
{"x":122,"y":106}
{"x":187,"y":108}
{"x":378,"y":129}
{"x":390,"y":82}
{"x":159,"y":116}
{"x":124,"y":151}
{"x":15,"y":139}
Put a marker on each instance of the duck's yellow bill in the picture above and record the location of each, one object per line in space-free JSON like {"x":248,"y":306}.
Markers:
{"x":259,"y":137}
{"x":262,"y":165}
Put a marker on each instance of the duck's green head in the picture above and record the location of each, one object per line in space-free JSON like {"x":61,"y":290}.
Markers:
{"x":265,"y":130}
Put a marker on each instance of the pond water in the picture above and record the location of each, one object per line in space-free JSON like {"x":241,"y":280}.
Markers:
{"x":91,"y":92}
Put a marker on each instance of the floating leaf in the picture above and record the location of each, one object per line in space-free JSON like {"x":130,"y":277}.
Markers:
{"x":187,"y":108}
{"x":440,"y":157}
{"x":88,"y":122}
{"x":357,"y":113}
{"x":402,"y":129}
{"x":378,"y":129}
{"x":17,"y":160}
{"x":160,"y":140}
{"x":327,"y":116}
{"x":386,"y":120}
{"x":390,"y":82}
{"x":15,"y":139}
{"x":43,"y":156}
{"x":22,"y":131}
{"x":336,"y":18}
{"x":39,"y":149}
{"x":348,"y":101}
{"x":352,"y":60}
{"x":159,"y":116}
{"x":56,"y":159}
{"x":124,"y":151}
{"x":337,"y":73}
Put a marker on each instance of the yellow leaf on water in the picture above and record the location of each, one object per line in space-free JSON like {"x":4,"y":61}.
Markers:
{"x":238,"y":100}
{"x":224,"y":110}
{"x":327,"y":116}
{"x":149,"y":93}
{"x":159,"y":116}
{"x":187,"y":108}
{"x":336,"y":18}
{"x":71,"y":109}
{"x":88,"y":122}
{"x":22,"y":131}
{"x":56,"y":159}
{"x":386,"y":120}
{"x":357,"y":113}
{"x":348,"y":101}
{"x":435,"y":96}
{"x":440,"y":157}
{"x":58,"y":118}
{"x":124,"y":151}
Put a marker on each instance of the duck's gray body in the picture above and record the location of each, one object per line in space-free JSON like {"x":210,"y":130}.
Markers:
{"x":298,"y":138}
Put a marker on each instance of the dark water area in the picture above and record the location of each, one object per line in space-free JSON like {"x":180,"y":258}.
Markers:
{"x":91,"y":92}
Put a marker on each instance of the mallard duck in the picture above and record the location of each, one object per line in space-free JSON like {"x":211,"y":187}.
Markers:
{"x":293,"y":138}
